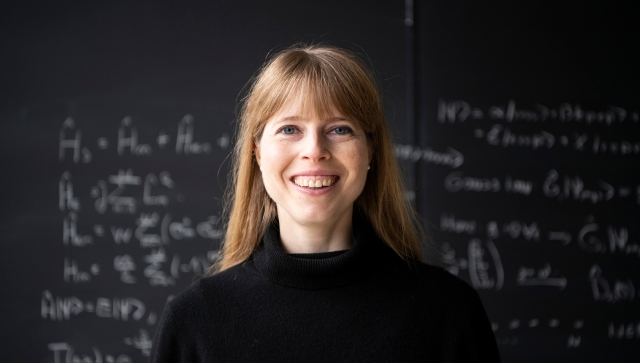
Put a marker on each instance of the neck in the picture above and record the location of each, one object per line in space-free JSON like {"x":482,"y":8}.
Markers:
{"x":335,"y":235}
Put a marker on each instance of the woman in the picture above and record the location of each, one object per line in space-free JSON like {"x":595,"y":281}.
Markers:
{"x":321,"y":257}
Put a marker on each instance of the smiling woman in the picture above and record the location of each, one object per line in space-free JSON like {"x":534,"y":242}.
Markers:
{"x":305,"y":92}
{"x":321,"y":260}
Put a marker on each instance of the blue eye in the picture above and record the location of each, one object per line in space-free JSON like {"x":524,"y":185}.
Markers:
{"x":341,"y":130}
{"x":288,"y":130}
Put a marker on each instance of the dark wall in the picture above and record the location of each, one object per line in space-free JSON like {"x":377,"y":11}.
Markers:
{"x":517,"y":126}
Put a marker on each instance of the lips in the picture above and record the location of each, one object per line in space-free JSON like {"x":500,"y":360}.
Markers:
{"x":314,"y":181}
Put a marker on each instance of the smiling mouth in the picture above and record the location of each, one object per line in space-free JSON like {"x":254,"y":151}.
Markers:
{"x":315,"y":182}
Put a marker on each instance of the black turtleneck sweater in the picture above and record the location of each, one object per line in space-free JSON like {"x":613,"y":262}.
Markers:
{"x":360,"y":305}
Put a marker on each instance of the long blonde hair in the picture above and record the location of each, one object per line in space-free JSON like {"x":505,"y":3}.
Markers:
{"x":329,"y":77}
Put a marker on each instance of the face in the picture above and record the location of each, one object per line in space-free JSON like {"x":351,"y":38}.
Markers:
{"x":313,"y":168}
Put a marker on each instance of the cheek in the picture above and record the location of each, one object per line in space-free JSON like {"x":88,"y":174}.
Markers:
{"x":359,"y":156}
{"x":357,"y":159}
{"x":273,"y":161}
{"x":265,"y":151}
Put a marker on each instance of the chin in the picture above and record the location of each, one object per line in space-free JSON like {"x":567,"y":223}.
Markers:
{"x":315,"y":216}
{"x":313,"y":219}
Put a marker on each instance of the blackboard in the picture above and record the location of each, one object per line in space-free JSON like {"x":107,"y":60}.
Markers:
{"x":116,"y":122}
{"x":516,"y":126}
{"x":526,"y":161}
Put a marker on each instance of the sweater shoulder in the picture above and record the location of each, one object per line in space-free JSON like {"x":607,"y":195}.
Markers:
{"x":443,"y":278}
{"x":458,"y":303}
{"x":450,"y":289}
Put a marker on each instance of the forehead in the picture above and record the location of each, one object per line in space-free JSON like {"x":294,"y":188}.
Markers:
{"x":304,"y":106}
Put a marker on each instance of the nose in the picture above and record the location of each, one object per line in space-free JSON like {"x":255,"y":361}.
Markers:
{"x":315,"y":147}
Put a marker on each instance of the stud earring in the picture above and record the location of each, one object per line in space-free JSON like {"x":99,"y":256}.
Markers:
{"x":368,"y":167}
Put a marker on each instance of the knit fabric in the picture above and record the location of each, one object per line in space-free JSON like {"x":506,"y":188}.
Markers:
{"x":364,"y":304}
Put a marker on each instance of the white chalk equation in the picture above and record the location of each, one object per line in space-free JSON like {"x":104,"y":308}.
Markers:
{"x":115,"y":189}
{"x":553,"y":184}
{"x":64,"y":308}
{"x":160,"y":268}
{"x":575,"y":188}
{"x":157,"y":259}
{"x":483,"y":264}
{"x":139,"y":194}
{"x":126,"y":142}
{"x":611,"y":290}
{"x":597,"y":238}
{"x":459,"y":111}
{"x":72,"y":273}
{"x":593,"y":237}
{"x":154,"y":229}
{"x":150,"y":230}
{"x":449,"y":157}
{"x":592,"y":143}
{"x":543,"y":276}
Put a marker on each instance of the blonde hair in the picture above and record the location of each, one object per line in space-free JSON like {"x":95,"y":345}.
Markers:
{"x":327,"y":77}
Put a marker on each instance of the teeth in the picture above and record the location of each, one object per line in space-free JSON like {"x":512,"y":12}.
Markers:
{"x":304,"y":182}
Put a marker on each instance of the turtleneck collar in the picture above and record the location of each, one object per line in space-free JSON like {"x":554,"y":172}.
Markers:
{"x":321,"y":270}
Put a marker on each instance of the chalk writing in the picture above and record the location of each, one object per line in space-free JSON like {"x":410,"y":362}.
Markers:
{"x":140,"y":208}
{"x":73,"y":274}
{"x":457,"y":181}
{"x":459,"y":111}
{"x":450,"y":157}
{"x":125,"y":265}
{"x":449,"y":223}
{"x":556,"y":189}
{"x":63,"y":352}
{"x":593,"y":238}
{"x":184,"y":139}
{"x":539,"y":277}
{"x":623,"y":330}
{"x":130,"y":142}
{"x":63,"y":308}
{"x":141,"y":341}
{"x":501,"y":136}
{"x":70,"y":235}
{"x":610,"y":292}
{"x":481,"y":269}
{"x":573,"y":188}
